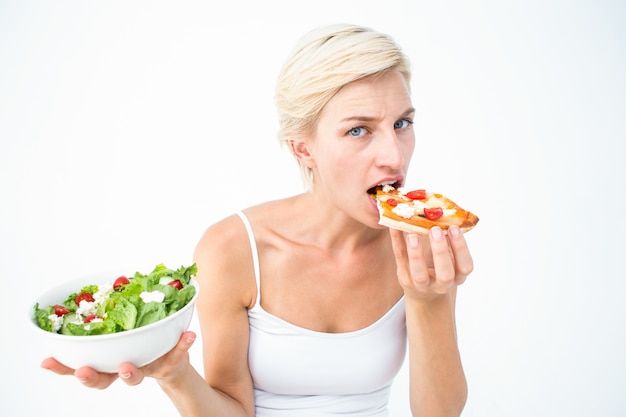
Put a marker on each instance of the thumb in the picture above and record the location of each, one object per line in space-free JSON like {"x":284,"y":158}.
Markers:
{"x":186,"y":340}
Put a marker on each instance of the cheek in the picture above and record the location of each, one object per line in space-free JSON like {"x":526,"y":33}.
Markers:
{"x":329,"y":156}
{"x":408,"y":149}
{"x":338,"y":171}
{"x":333,"y":166}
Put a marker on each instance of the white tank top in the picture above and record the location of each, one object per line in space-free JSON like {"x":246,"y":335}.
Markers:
{"x":299,"y":372}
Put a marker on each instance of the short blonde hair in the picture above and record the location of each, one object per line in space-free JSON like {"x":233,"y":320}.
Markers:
{"x":323,"y":61}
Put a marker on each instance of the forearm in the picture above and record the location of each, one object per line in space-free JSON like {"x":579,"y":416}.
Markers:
{"x":437,"y":381}
{"x":194,"y":397}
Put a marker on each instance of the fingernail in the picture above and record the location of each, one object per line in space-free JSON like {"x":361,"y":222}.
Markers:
{"x":125,"y":376}
{"x":191,"y":339}
{"x":436,"y":233}
{"x":414,"y":240}
{"x":454,"y":231}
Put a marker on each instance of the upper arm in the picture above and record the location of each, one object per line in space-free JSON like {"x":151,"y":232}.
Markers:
{"x":227,"y":288}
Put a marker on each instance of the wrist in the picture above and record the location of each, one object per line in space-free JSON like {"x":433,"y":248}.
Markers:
{"x":435,"y":313}
{"x":178,"y":380}
{"x":432,"y":304}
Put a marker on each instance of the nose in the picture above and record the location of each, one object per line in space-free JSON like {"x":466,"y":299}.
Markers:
{"x":390,"y":152}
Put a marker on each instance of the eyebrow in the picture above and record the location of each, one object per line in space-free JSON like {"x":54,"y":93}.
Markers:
{"x":370,"y":119}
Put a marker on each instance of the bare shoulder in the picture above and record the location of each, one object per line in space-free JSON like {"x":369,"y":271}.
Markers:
{"x":272,"y":215}
{"x":227,"y":289}
{"x":224,"y":255}
{"x":224,"y":259}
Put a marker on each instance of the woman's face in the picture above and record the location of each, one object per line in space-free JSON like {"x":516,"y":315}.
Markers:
{"x":364,"y":137}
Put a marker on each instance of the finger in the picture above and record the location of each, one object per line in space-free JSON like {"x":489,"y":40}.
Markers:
{"x":130,"y":374}
{"x":186,"y":340}
{"x":463,"y":259}
{"x":93,"y":379}
{"x":57,"y":367}
{"x":399,"y":247}
{"x":184,"y":344}
{"x":411,"y":263}
{"x":418,"y":267}
{"x":445,"y":272}
{"x":164,"y":367}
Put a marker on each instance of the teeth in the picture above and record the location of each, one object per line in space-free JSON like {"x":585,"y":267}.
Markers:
{"x":382,"y":184}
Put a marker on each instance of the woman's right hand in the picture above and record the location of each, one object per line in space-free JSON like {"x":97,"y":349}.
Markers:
{"x":166,"y":369}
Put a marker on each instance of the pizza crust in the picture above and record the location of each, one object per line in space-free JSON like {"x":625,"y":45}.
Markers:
{"x":405,"y":227}
{"x":411,"y":228}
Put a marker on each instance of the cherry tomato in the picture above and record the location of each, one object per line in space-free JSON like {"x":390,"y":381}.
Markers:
{"x":83,"y":296}
{"x":392,"y":202}
{"x":60,"y":310}
{"x":120,"y":281}
{"x":176,"y":284}
{"x":433,"y":213}
{"x":417,"y":194}
{"x":90,"y":318}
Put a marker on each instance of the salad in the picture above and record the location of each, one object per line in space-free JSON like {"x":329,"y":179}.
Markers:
{"x":121,"y":304}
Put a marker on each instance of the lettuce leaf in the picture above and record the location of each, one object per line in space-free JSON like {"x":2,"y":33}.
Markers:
{"x":41,"y":316}
{"x":124,"y":314}
{"x":151,"y":312}
{"x":90,"y":329}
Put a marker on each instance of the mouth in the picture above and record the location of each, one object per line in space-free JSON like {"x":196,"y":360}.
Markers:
{"x":394,"y":184}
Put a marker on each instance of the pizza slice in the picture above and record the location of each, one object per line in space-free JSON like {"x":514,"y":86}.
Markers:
{"x":417,"y":211}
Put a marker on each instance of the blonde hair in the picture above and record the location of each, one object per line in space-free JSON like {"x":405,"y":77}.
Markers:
{"x":323,"y":61}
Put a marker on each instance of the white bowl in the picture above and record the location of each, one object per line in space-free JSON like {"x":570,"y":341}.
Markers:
{"x":105,"y":353}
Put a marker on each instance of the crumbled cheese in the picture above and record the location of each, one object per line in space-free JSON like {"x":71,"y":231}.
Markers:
{"x":103,"y":292}
{"x":387,"y":188}
{"x":420,"y":206}
{"x":156,"y":296}
{"x":57,"y":321}
{"x":87,"y":307}
{"x":404,"y":210}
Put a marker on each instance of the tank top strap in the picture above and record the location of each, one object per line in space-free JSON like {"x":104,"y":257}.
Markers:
{"x":255,"y":254}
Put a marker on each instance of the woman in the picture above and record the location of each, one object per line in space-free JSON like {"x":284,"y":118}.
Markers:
{"x":306,"y":303}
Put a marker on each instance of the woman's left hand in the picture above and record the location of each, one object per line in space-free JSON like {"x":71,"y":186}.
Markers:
{"x":431,"y":266}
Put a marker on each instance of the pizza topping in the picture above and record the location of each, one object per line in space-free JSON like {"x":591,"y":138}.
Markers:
{"x":404,"y":210}
{"x":385,"y":186}
{"x":417,"y":210}
{"x":434,"y":201}
{"x":433,"y":213}
{"x":388,"y":187}
{"x":416,"y":203}
{"x":417,"y":195}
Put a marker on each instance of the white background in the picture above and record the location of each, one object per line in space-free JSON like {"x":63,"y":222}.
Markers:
{"x":127,"y":127}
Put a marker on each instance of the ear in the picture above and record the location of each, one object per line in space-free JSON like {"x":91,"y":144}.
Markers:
{"x":300,"y":149}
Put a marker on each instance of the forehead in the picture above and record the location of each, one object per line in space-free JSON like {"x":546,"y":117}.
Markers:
{"x":386,"y":94}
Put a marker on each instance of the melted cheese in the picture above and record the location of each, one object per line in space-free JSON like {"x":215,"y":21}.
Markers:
{"x":404,"y":210}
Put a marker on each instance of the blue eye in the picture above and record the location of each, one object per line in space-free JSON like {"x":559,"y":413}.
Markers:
{"x":402,"y":124}
{"x":357,"y":131}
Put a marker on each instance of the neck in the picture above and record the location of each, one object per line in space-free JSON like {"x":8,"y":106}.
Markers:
{"x":330,"y":228}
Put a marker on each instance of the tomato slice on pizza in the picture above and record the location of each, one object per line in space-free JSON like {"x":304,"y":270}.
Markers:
{"x":416,"y":211}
